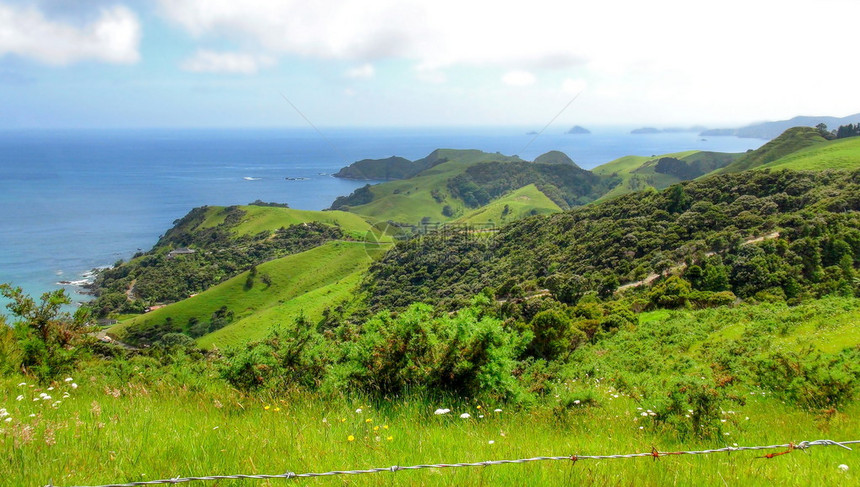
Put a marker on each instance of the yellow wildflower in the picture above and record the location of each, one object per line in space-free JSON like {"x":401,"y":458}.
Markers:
{"x":350,"y":438}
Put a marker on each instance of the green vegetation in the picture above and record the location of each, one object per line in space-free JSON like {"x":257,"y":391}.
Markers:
{"x":467,"y":180}
{"x":212,"y":244}
{"x":638,"y":173}
{"x":791,"y":141}
{"x":524,"y":202}
{"x":381,"y":169}
{"x":255,"y":219}
{"x":704,"y":222}
{"x":835,"y":154}
{"x":302,"y":284}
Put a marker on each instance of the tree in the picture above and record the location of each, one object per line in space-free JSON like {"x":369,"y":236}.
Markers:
{"x":49,"y":337}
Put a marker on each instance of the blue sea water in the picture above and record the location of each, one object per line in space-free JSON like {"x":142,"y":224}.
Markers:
{"x":74,"y":200}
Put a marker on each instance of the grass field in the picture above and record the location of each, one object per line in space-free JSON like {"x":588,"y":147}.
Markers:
{"x":301,"y":283}
{"x":521,"y":203}
{"x":142,"y":419}
{"x":103,"y":433}
{"x":265,"y":218}
{"x":834,"y":154}
{"x":789,"y":142}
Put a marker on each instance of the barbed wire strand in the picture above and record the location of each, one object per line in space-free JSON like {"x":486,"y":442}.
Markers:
{"x":654,"y":453}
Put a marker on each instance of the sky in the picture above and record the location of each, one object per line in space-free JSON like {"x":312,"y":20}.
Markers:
{"x":232,"y":63}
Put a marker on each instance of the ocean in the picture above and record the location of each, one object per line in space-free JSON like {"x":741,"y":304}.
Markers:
{"x":75,"y":200}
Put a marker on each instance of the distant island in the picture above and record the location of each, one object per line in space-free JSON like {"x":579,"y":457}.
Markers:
{"x":770,"y":130}
{"x":668,"y":130}
{"x":645,"y":131}
{"x":578,"y":130}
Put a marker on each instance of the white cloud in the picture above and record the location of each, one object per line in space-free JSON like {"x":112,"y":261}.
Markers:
{"x":667,"y":58}
{"x":206,"y":61}
{"x":518,"y":78}
{"x":114,"y":37}
{"x":365,"y":71}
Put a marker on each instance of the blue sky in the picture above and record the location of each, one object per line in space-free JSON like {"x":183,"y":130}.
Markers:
{"x":225,"y":63}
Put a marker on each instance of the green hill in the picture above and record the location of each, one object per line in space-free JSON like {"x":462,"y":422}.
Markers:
{"x":640,"y":172}
{"x":212,"y":244}
{"x":300,"y":284}
{"x":833,"y":154}
{"x":380,"y":169}
{"x":791,"y":141}
{"x":467,"y":180}
{"x":554,"y":157}
{"x":595,"y":248}
{"x":524,"y":202}
{"x":256,"y":219}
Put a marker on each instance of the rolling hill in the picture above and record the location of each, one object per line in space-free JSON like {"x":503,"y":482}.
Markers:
{"x":302,"y":284}
{"x":521,"y":203}
{"x":468,"y":180}
{"x":790,"y":141}
{"x":640,"y":172}
{"x":833,"y":154}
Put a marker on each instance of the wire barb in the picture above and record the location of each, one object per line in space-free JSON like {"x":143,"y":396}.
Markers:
{"x":654,"y":453}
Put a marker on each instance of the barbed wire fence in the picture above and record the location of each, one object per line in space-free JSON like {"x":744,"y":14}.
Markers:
{"x":654,"y":453}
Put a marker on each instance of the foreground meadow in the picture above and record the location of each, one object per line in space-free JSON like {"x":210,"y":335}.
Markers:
{"x":83,"y":431}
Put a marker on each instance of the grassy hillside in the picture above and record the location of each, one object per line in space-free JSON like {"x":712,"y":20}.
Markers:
{"x":791,"y":141}
{"x":467,"y":180}
{"x":422,"y":196}
{"x":302,"y":283}
{"x":834,"y":154}
{"x":526,"y":201}
{"x":641,"y":172}
{"x":258,"y":219}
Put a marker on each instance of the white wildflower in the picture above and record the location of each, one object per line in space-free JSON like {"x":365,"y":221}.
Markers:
{"x":8,"y":420}
{"x":22,"y":384}
{"x":465,"y":416}
{"x":652,"y":414}
{"x":843,"y":467}
{"x":497,"y":410}
{"x":33,"y":415}
{"x":20,"y":398}
{"x":68,"y":379}
{"x":576,"y":402}
{"x":74,"y":386}
{"x":644,"y":413}
{"x":481,"y":416}
{"x":441,"y":411}
{"x":492,"y":442}
{"x":358,"y":411}
{"x":51,"y":388}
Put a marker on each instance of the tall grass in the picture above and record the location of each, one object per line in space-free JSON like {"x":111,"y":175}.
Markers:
{"x":103,"y":434}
